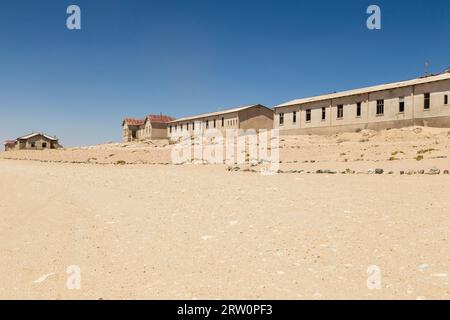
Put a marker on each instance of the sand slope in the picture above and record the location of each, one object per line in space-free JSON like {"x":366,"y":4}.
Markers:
{"x":408,"y":149}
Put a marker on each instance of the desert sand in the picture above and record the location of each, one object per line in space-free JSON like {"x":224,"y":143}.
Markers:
{"x":152,"y":230}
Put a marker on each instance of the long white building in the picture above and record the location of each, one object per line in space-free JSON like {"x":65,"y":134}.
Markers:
{"x":423,"y":101}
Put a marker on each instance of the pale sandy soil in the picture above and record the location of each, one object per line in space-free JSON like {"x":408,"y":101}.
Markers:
{"x":409,"y":149}
{"x":157,"y":152}
{"x":392,"y":150}
{"x":185,"y":232}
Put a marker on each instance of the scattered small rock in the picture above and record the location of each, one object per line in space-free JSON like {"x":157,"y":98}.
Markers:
{"x":375,"y":171}
{"x":434,"y":171}
{"x":417,"y":130}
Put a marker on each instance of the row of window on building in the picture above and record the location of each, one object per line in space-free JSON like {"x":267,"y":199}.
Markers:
{"x":230,"y":122}
{"x":380,"y":109}
{"x":33,"y":144}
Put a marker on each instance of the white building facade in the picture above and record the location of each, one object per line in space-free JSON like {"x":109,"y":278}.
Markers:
{"x":423,"y":101}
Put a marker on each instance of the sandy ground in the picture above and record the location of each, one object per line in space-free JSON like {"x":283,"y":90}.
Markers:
{"x":201,"y":232}
{"x":186,"y":232}
{"x":410,"y":150}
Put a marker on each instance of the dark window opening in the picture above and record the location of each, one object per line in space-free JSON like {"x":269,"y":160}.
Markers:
{"x":380,"y":107}
{"x":281,"y":118}
{"x":207,"y":124}
{"x":401,"y":105}
{"x":426,"y":102}
{"x":44,"y":145}
{"x":308,"y":115}
{"x":340,"y":111}
{"x":446,"y":99}
{"x":294,"y":117}
{"x":324,"y":113}
{"x":223,"y":121}
{"x":358,"y":109}
{"x":214,"y":123}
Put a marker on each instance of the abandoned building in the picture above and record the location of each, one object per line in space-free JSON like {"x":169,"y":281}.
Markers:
{"x":10,"y":145}
{"x":34,"y":141}
{"x":153,"y":127}
{"x":422,"y":101}
{"x":255,"y":117}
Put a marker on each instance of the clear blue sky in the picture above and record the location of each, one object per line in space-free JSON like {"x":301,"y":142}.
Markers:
{"x":133,"y":57}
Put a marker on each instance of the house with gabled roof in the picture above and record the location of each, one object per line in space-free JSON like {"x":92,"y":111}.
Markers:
{"x":33,"y":141}
{"x":152,"y":127}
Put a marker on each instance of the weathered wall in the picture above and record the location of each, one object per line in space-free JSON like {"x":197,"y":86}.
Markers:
{"x":158,"y":130}
{"x":127,"y":133}
{"x":9,"y":147}
{"x":37,"y":143}
{"x":230,"y":121}
{"x":257,"y":118}
{"x":414,"y":112}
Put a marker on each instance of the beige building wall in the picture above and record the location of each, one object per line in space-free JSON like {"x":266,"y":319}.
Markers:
{"x":36,"y":143}
{"x":414,"y":112}
{"x":128,"y":130}
{"x":437,"y":92}
{"x":256,"y":117}
{"x":10,"y":147}
{"x":145,"y":131}
{"x":230,"y":121}
{"x":158,"y":130}
{"x":148,"y":131}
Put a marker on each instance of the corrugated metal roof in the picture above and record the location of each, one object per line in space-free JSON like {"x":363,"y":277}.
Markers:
{"x":7,"y":142}
{"x":382,"y":87}
{"x":36,"y":134}
{"x":217,"y":113}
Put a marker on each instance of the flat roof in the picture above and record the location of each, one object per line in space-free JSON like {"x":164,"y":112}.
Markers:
{"x":388,"y":86}
{"x":217,"y":113}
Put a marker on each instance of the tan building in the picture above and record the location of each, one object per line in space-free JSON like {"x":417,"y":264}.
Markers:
{"x":255,"y":117}
{"x":423,"y":101}
{"x":34,"y":141}
{"x":153,"y":127}
{"x":10,"y":145}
